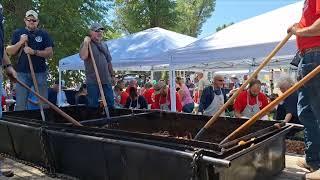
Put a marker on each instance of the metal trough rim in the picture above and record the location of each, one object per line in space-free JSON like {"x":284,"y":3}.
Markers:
{"x":206,"y":159}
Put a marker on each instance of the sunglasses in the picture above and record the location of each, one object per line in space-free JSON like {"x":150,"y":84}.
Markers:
{"x":99,"y":30}
{"x":31,"y":20}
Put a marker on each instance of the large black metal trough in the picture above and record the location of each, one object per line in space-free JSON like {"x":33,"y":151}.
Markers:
{"x":130,"y":147}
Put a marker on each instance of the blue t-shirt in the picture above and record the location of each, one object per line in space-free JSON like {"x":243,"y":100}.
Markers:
{"x":1,"y":35}
{"x":37,"y":40}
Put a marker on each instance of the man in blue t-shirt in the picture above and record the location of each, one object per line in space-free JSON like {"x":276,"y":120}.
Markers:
{"x":40,"y":48}
{"x":5,"y":62}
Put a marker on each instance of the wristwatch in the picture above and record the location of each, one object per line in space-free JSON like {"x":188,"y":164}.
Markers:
{"x":6,"y":65}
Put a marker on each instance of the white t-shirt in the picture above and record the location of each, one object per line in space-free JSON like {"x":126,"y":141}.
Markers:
{"x":202,"y":84}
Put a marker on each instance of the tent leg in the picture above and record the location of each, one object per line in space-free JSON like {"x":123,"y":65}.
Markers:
{"x":59,"y":94}
{"x":172,"y":88}
{"x":152,"y":75}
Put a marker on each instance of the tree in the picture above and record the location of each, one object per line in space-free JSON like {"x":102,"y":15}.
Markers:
{"x":223,"y":26}
{"x":192,"y":15}
{"x":137,"y":15}
{"x":66,"y":21}
{"x":183,"y":16}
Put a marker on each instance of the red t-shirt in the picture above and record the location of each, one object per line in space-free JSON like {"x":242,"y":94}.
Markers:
{"x":241,"y":101}
{"x":311,"y":12}
{"x":148,"y":94}
{"x":3,"y":101}
{"x":162,"y":100}
{"x":124,"y":96}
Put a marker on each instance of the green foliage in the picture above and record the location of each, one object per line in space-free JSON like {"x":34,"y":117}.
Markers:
{"x":138,"y":15}
{"x":223,"y":26}
{"x":183,"y":16}
{"x":67,"y":23}
{"x":192,"y":15}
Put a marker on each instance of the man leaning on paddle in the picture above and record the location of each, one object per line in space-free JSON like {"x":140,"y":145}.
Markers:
{"x":307,"y":32}
{"x":6,"y":65}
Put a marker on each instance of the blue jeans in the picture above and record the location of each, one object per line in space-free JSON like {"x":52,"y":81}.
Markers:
{"x":309,"y":107}
{"x":94,"y":94}
{"x":188,"y":108}
{"x":22,"y":93}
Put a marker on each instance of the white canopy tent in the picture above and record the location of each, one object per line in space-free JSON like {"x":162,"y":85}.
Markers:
{"x":241,"y":42}
{"x":142,"y":51}
{"x":242,"y":45}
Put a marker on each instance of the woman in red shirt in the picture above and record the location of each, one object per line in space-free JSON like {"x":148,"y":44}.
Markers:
{"x":120,"y":96}
{"x":147,"y":94}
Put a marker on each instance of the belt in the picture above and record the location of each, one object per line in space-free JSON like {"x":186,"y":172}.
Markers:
{"x":309,"y":50}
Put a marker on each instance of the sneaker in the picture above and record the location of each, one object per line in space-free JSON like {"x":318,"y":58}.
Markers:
{"x":313,"y":175}
{"x":303,"y":164}
{"x":8,"y":173}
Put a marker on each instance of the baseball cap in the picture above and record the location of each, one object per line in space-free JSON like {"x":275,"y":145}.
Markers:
{"x":32,"y":13}
{"x":95,"y":26}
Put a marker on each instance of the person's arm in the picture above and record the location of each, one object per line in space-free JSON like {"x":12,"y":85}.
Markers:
{"x":202,"y":102}
{"x":110,"y":68}
{"x":109,"y":59}
{"x":237,"y":114}
{"x":264,"y":100}
{"x":144,"y":104}
{"x":290,"y":105}
{"x":288,"y":117}
{"x":181,"y":93}
{"x":46,"y":53}
{"x":313,"y":30}
{"x":12,"y":74}
{"x":84,"y":49}
{"x":16,"y":44}
{"x":127,"y":103}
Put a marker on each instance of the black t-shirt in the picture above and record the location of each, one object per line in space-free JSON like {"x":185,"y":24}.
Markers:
{"x":289,"y":106}
{"x":37,"y":40}
{"x":1,"y":35}
{"x":82,"y":99}
{"x":141,"y":100}
{"x":280,"y":113}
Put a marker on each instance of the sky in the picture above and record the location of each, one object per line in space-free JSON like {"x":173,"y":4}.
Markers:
{"x":227,"y":11}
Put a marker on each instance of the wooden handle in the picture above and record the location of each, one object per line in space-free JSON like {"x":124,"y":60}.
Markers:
{"x":59,"y":111}
{"x":99,"y":83}
{"x":35,"y":83}
{"x":270,"y":106}
{"x":215,"y":117}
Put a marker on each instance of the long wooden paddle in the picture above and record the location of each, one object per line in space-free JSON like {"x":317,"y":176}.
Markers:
{"x":233,"y":97}
{"x":59,"y":111}
{"x":99,"y":83}
{"x":35,"y":83}
{"x":270,"y":106}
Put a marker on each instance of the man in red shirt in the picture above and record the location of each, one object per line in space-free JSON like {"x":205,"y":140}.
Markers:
{"x":251,"y":101}
{"x":307,"y":33}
